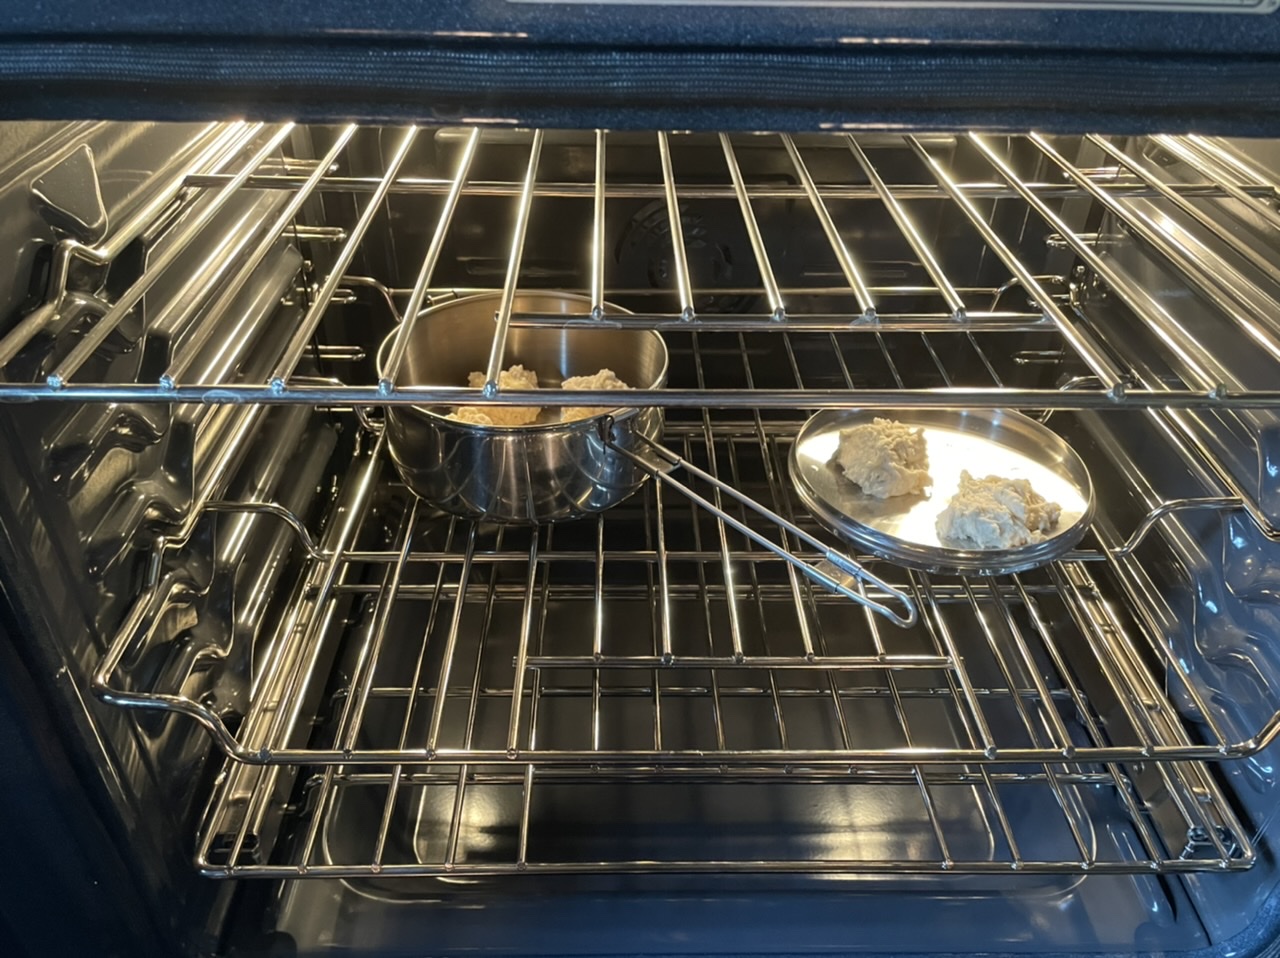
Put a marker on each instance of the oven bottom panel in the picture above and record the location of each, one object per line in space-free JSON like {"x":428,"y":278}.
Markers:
{"x":707,"y":915}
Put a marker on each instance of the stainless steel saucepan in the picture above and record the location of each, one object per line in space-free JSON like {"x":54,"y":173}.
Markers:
{"x":550,"y":470}
{"x":543,"y":472}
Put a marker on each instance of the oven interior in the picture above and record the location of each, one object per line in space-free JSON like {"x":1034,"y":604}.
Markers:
{"x":643,"y":731}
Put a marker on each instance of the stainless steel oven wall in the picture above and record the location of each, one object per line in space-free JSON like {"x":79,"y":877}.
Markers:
{"x":1208,"y":579}
{"x":86,"y":490}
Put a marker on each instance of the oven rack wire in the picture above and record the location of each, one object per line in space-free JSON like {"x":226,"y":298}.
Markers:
{"x":457,"y":811}
{"x":1028,"y":654}
{"x":233,"y":158}
{"x":1014,"y":690}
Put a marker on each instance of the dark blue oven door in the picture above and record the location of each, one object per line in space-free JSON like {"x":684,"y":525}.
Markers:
{"x":1118,"y":65}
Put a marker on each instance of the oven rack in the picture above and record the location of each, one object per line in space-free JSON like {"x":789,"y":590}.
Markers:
{"x":230,"y":160}
{"x":1001,"y":657}
{"x":473,"y":821}
{"x":243,"y":156}
{"x":921,"y":757}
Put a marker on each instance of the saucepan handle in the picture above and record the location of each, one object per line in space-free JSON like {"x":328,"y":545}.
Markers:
{"x":658,"y":461}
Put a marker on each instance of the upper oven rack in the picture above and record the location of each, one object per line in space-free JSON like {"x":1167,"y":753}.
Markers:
{"x":236,"y":157}
{"x":250,"y":156}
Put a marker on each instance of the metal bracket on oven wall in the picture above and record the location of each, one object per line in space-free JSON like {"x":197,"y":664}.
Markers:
{"x":68,"y":196}
{"x":1199,"y":840}
{"x":1096,"y":240}
{"x":1046,"y":281}
{"x":221,"y":147}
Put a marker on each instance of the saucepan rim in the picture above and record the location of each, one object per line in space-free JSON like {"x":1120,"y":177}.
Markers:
{"x":620,"y":412}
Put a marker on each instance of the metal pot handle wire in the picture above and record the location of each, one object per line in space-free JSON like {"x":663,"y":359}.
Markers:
{"x":841,"y":562}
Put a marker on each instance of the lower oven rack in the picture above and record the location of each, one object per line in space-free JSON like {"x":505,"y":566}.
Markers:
{"x":1039,"y":667}
{"x":484,"y":820}
{"x":613,"y":746}
{"x":1001,"y":656}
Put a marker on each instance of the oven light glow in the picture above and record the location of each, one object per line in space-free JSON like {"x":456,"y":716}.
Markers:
{"x":480,"y":35}
{"x":886,"y":41}
{"x":864,"y":126}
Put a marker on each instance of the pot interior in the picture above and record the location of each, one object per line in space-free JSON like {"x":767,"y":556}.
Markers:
{"x":452,"y":340}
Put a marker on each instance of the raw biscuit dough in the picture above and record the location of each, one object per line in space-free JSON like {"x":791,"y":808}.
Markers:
{"x":472,"y":414}
{"x":885,"y":458}
{"x":604,"y":379}
{"x":517,"y":377}
{"x":996,"y":513}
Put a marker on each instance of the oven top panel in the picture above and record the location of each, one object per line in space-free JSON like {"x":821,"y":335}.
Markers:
{"x":1144,"y":26}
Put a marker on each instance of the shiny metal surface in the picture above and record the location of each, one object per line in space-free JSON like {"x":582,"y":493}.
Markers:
{"x":767,"y":279}
{"x":439,"y":636}
{"x":545,"y":472}
{"x":1233,"y":294}
{"x":286,"y":365}
{"x":970,"y":696}
{"x":68,"y":195}
{"x":389,"y":366}
{"x":1099,"y":363}
{"x":728,"y":398}
{"x":661,"y":547}
{"x":832,"y":571}
{"x":1205,"y":389}
{"x":838,"y":246}
{"x":597,"y":229}
{"x":506,"y":303}
{"x":191,"y":230}
{"x":985,"y":189}
{"x":216,"y":148}
{"x":423,"y":695}
{"x":910,"y":232}
{"x":675,"y":221}
{"x":284,"y":221}
{"x":996,"y":442}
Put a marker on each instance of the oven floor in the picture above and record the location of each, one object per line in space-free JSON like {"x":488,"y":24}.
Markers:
{"x":707,"y":915}
{"x":581,"y":816}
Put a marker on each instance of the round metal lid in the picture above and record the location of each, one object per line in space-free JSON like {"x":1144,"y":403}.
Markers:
{"x":994,"y":442}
